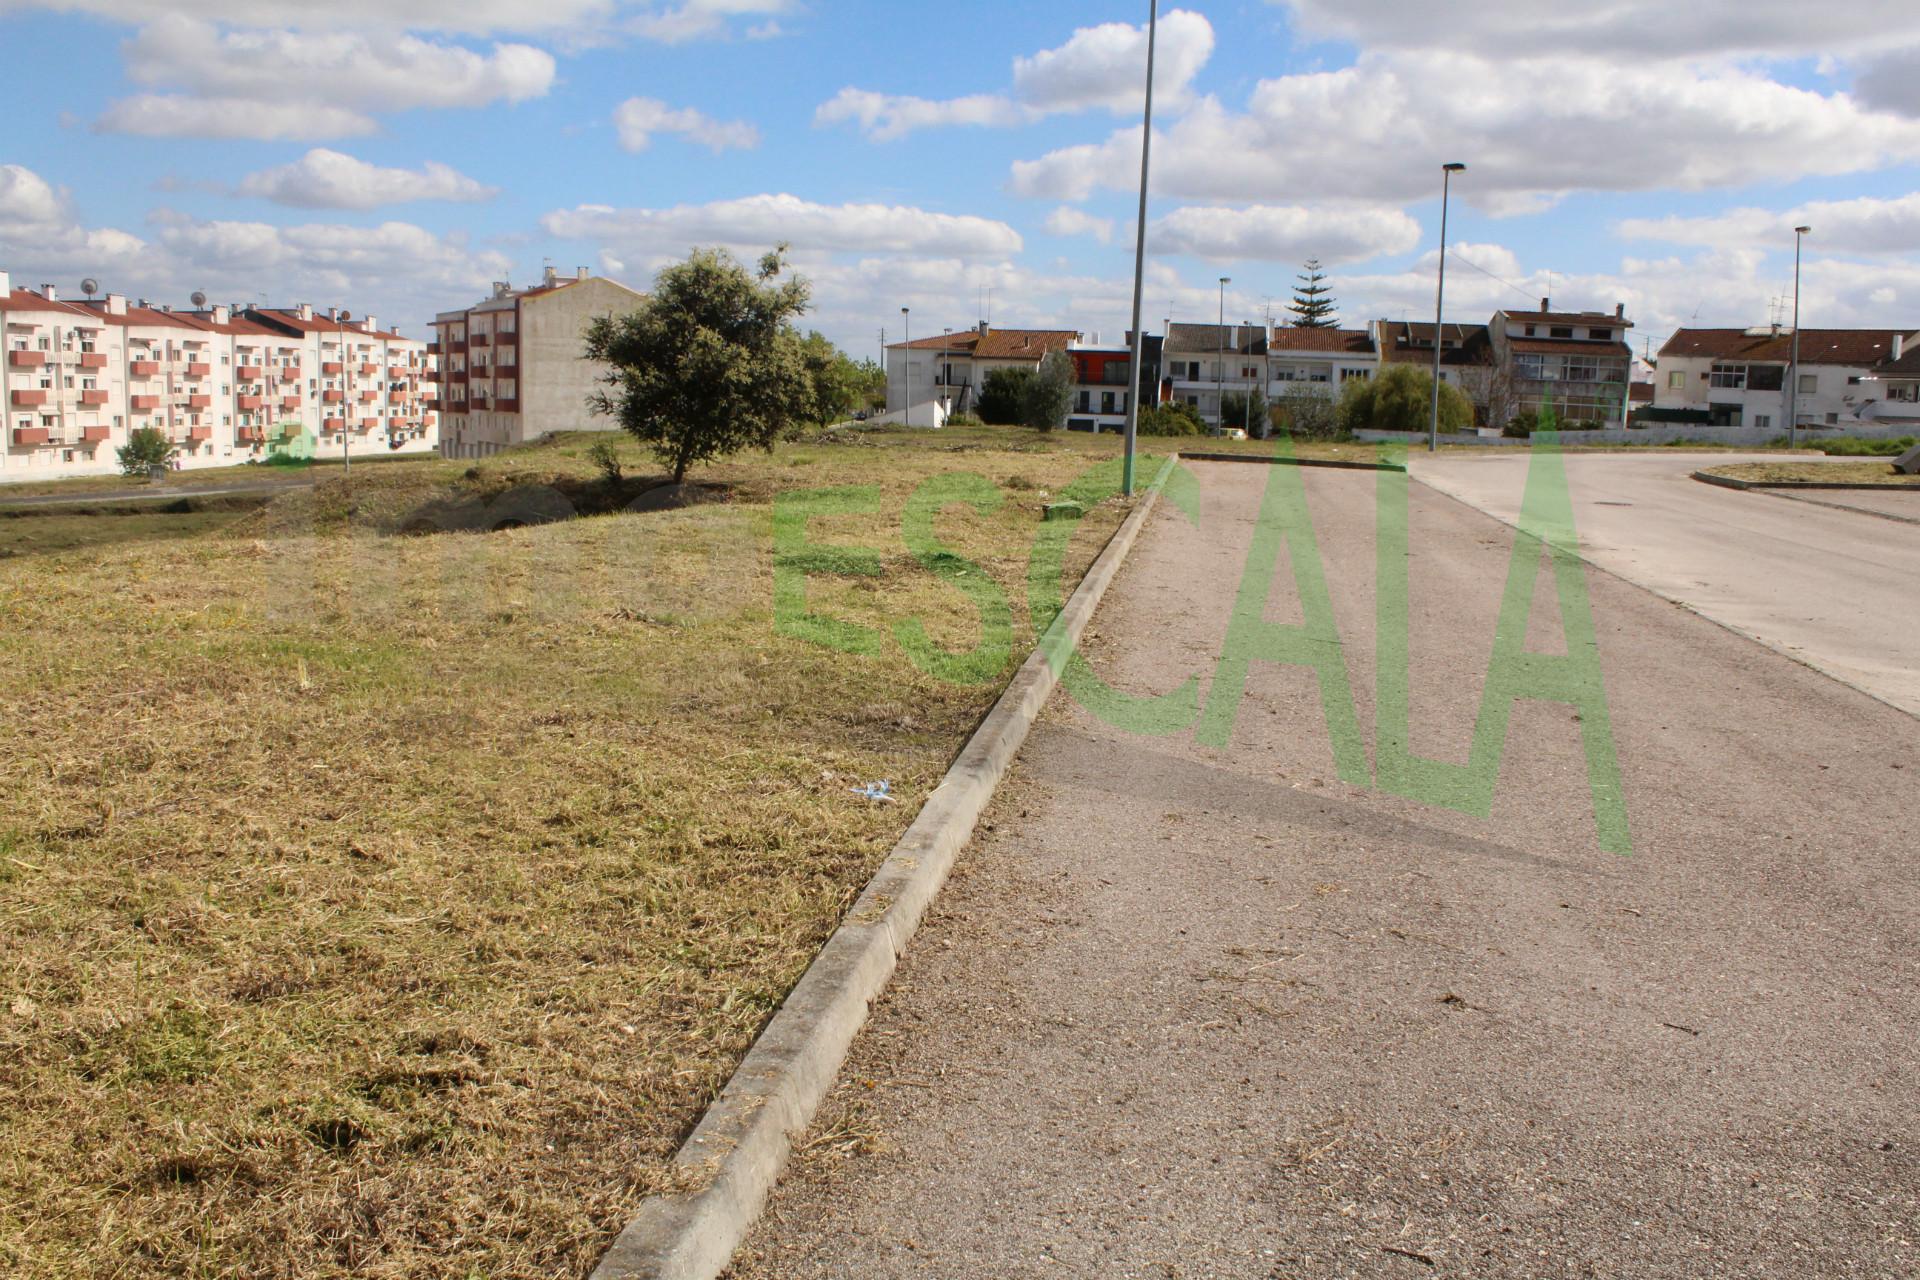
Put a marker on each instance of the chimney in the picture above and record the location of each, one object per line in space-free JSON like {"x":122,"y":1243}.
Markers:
{"x":1546,"y":305}
{"x":6,"y":284}
{"x":223,"y":315}
{"x":550,"y":277}
{"x":50,"y":293}
{"x":370,"y":323}
{"x":983,"y":328}
{"x":116,"y":304}
{"x":333,"y":313}
{"x":579,"y":273}
{"x":501,"y":288}
{"x":1899,"y":345}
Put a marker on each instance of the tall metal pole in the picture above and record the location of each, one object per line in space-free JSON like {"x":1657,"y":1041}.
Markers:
{"x":1137,"y":371}
{"x":1793,"y":386}
{"x":346,"y":399}
{"x":1220,"y":368}
{"x":906,"y":369}
{"x":1439,"y":302}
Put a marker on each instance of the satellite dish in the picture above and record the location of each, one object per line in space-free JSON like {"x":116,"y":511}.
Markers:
{"x":345,"y":315}
{"x":89,"y":286}
{"x":199,"y":298}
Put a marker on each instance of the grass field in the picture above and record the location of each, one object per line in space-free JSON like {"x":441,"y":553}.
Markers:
{"x":381,"y":905}
{"x":1831,"y":471}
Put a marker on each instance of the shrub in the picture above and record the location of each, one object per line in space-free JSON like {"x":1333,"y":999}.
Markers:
{"x":1001,"y":394}
{"x":145,"y":449}
{"x":964,"y":420}
{"x":1175,"y":418}
{"x":606,"y":459}
{"x":1399,"y":398}
{"x":1048,"y":394}
{"x":1309,"y":413}
{"x":1235,"y":411}
{"x":1854,"y":447}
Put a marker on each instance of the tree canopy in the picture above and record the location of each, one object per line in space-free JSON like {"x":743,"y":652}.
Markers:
{"x":1400,"y":398}
{"x":1002,"y":395}
{"x":146,"y":448}
{"x":1048,"y":394}
{"x":708,"y":363}
{"x":1313,"y":306}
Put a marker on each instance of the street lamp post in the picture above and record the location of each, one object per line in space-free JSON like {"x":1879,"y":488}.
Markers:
{"x":1793,"y":382}
{"x":346,"y":397}
{"x":1439,"y":301}
{"x":1140,"y":260}
{"x":906,"y":369}
{"x":1220,"y":369}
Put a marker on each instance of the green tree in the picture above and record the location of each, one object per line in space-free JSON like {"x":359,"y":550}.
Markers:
{"x":1399,"y":398}
{"x":1308,"y":411}
{"x":835,"y":383}
{"x":1313,"y":305}
{"x":1002,"y":393}
{"x":871,"y":380}
{"x":1174,"y":418}
{"x":1048,"y":395}
{"x":1235,"y":411}
{"x":146,"y":448}
{"x":708,"y":363}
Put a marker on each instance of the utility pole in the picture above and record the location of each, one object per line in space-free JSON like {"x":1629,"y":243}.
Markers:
{"x":1220,"y":369}
{"x":1439,"y":303}
{"x":1135,"y":371}
{"x":1793,"y":385}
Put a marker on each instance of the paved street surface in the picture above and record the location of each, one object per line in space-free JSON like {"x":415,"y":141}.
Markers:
{"x":1837,"y":588}
{"x":1196,"y":1012}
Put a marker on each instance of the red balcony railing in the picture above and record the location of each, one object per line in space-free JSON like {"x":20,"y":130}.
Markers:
{"x":250,"y":435}
{"x":94,"y":435}
{"x":31,"y":435}
{"x":480,"y":339}
{"x":333,"y":395}
{"x":27,"y":359}
{"x":458,"y":348}
{"x":331,"y":367}
{"x":144,"y":402}
{"x":368,"y":397}
{"x":506,"y":337}
{"x":93,"y":398}
{"x":28,"y":397}
{"x":199,"y":402}
{"x":289,"y":402}
{"x":248,"y":373}
{"x":247,"y":404}
{"x":143,"y":368}
{"x":93,"y":359}
{"x":197,"y":370}
{"x":199,"y":433}
{"x":507,"y":404}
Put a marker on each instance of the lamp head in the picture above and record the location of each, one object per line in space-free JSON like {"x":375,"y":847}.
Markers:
{"x":1801,"y":231}
{"x":1454,"y":167}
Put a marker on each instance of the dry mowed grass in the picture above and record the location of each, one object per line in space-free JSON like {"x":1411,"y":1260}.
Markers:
{"x":1831,"y":471}
{"x":391,"y":906}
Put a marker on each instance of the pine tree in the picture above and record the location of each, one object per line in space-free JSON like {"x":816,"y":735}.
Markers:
{"x":1313,"y":305}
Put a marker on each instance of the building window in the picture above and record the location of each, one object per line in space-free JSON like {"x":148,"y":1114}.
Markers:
{"x":1730,"y":376}
{"x":1833,"y":419}
{"x":1809,"y":383}
{"x":1600,"y":335}
{"x":1676,"y":381}
{"x":1763,"y":420}
{"x":1560,"y":331}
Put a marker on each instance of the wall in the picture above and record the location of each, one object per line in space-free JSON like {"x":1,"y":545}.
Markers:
{"x":554,"y":381}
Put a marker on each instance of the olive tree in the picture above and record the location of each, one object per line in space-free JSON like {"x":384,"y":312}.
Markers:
{"x":708,"y":363}
{"x":1048,"y":395}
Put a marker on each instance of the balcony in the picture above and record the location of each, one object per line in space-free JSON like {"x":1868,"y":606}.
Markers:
{"x":368,"y":397}
{"x":398,"y":372}
{"x":196,"y":369}
{"x":331,"y":368}
{"x":248,"y":373}
{"x":31,"y":435}
{"x":431,"y":402}
{"x":247,"y":404}
{"x":433,"y":348}
{"x":94,"y":435}
{"x":290,"y":375}
{"x":369,"y":370}
{"x":367,"y":424}
{"x":197,"y":434}
{"x":250,"y":435}
{"x":506,"y":337}
{"x":93,"y":359}
{"x":457,"y":348}
{"x":333,"y":395}
{"x":29,"y":397}
{"x":289,"y":402}
{"x":456,"y":375}
{"x":94,"y":398}
{"x":396,"y":422}
{"x":27,"y":359}
{"x":481,"y":340}
{"x":144,"y":368}
{"x":199,"y":402}
{"x":144,"y":403}
{"x":507,"y":404}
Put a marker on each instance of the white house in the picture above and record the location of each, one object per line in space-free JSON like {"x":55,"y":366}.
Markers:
{"x":929,"y":378}
{"x":1738,"y":377}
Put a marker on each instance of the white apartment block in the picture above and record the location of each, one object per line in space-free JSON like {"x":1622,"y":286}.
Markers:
{"x":1205,"y":362}
{"x":929,"y":378}
{"x":1318,"y":358}
{"x":78,"y":376}
{"x":512,"y":369}
{"x":1739,"y":377}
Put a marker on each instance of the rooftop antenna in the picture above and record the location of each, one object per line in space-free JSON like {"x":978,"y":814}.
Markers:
{"x":89,"y":286}
{"x":199,"y":299}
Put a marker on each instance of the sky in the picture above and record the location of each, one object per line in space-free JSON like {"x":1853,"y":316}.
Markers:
{"x":397,"y":158}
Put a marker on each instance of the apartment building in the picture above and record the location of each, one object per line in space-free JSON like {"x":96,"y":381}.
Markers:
{"x":1576,"y":363}
{"x":351,"y":385}
{"x":942,"y":375}
{"x":1896,"y":382}
{"x":1318,"y":358}
{"x":1206,"y":362}
{"x":79,"y":376}
{"x":1103,"y":383}
{"x":1739,"y":377}
{"x":511,"y":367}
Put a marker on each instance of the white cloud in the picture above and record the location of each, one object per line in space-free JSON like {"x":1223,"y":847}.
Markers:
{"x":639,"y":119}
{"x":705,"y":19}
{"x":1068,"y":221}
{"x":324,"y":179}
{"x":399,"y":271}
{"x":758,"y":222}
{"x":1640,"y":28}
{"x":463,"y":17}
{"x":885,"y":116}
{"x":1892,"y":83}
{"x":1106,"y":66}
{"x":1867,"y":225}
{"x":1103,"y":67}
{"x":1288,"y":233}
{"x":1394,"y":118}
{"x":167,"y":115}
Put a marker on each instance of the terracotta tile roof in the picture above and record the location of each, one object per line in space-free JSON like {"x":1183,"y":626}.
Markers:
{"x":1199,"y":339}
{"x":997,"y":344}
{"x":280,"y":317}
{"x":1569,"y":347}
{"x":145,"y":317}
{"x":1403,"y":341}
{"x":1602,"y":319}
{"x":1344,"y":341}
{"x":28,"y":300}
{"x":1907,"y":366}
{"x":961,"y":340}
{"x":1859,"y":348}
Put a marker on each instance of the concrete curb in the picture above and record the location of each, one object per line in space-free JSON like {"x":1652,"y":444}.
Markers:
{"x":1341,"y":463}
{"x":729,"y":1164}
{"x":1729,"y":482}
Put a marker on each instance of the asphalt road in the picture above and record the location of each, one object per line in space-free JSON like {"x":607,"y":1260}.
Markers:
{"x":1190,"y":1011}
{"x":1834,"y":587}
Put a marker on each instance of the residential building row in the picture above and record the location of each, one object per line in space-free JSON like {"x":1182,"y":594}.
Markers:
{"x":78,"y":376}
{"x":1745,"y":378}
{"x":1519,"y":362}
{"x":513,"y":368}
